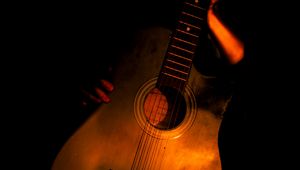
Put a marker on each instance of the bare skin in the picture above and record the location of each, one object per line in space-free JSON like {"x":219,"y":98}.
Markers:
{"x":231,"y":45}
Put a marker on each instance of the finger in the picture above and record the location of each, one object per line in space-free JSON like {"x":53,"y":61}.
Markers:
{"x":91,"y":97}
{"x":107,"y":85}
{"x":103,"y":96}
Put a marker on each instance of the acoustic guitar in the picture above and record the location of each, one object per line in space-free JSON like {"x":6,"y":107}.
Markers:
{"x":157,"y":118}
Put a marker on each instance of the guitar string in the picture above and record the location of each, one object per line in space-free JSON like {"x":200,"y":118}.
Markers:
{"x":177,"y":108}
{"x":142,"y":142}
{"x":144,"y":137}
{"x":156,"y":132}
{"x":158,"y":144}
{"x":149,"y":146}
{"x":151,"y":130}
{"x":173,"y":105}
{"x":172,"y":110}
{"x":153,"y":139}
{"x":179,"y":104}
{"x":190,"y":66}
{"x":153,"y":147}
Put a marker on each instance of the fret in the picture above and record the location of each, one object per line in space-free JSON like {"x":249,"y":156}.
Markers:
{"x":195,"y":2}
{"x":179,"y":64}
{"x":199,"y":3}
{"x":179,"y":56}
{"x":186,"y":42}
{"x":178,"y":68}
{"x":195,"y":6}
{"x":189,"y":29}
{"x":187,"y":33}
{"x":192,"y":21}
{"x":180,"y":53}
{"x":190,"y":25}
{"x":169,"y":80}
{"x":174,"y":46}
{"x":183,"y":44}
{"x":183,"y":61}
{"x":174,"y":76}
{"x":186,"y":36}
{"x":191,"y":15}
{"x":198,"y":12}
{"x":174,"y":73}
{"x":174,"y":69}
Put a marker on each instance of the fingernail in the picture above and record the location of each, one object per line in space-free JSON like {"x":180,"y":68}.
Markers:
{"x":106,"y":99}
{"x":107,"y":85}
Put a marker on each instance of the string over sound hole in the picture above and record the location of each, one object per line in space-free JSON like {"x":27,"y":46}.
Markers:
{"x":164,"y":109}
{"x":155,"y":107}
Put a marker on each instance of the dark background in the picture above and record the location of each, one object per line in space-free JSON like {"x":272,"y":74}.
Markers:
{"x":57,"y":46}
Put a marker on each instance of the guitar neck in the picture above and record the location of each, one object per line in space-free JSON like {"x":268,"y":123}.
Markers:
{"x":183,"y":44}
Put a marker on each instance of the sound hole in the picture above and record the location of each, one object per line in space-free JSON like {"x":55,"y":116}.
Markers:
{"x":164,"y":109}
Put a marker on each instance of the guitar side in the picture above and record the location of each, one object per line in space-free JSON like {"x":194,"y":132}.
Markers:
{"x":109,"y":139}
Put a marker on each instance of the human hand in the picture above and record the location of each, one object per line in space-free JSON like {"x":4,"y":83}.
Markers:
{"x":95,"y":90}
{"x":98,"y":94}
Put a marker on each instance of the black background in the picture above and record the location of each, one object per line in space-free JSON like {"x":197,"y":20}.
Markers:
{"x":52,"y":46}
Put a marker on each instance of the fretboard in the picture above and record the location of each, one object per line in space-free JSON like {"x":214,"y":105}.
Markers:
{"x":182,"y":47}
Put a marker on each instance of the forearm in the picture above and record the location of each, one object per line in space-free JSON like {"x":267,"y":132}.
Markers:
{"x":231,"y":45}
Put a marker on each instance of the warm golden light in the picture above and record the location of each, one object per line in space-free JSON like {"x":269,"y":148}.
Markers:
{"x":233,"y":48}
{"x":155,"y":107}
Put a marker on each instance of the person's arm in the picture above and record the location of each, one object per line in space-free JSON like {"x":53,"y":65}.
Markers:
{"x":231,"y":45}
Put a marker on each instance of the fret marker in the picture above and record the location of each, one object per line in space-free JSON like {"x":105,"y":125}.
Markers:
{"x":188,"y":28}
{"x":196,"y":1}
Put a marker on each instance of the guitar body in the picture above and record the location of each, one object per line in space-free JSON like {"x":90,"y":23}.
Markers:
{"x":118,"y":136}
